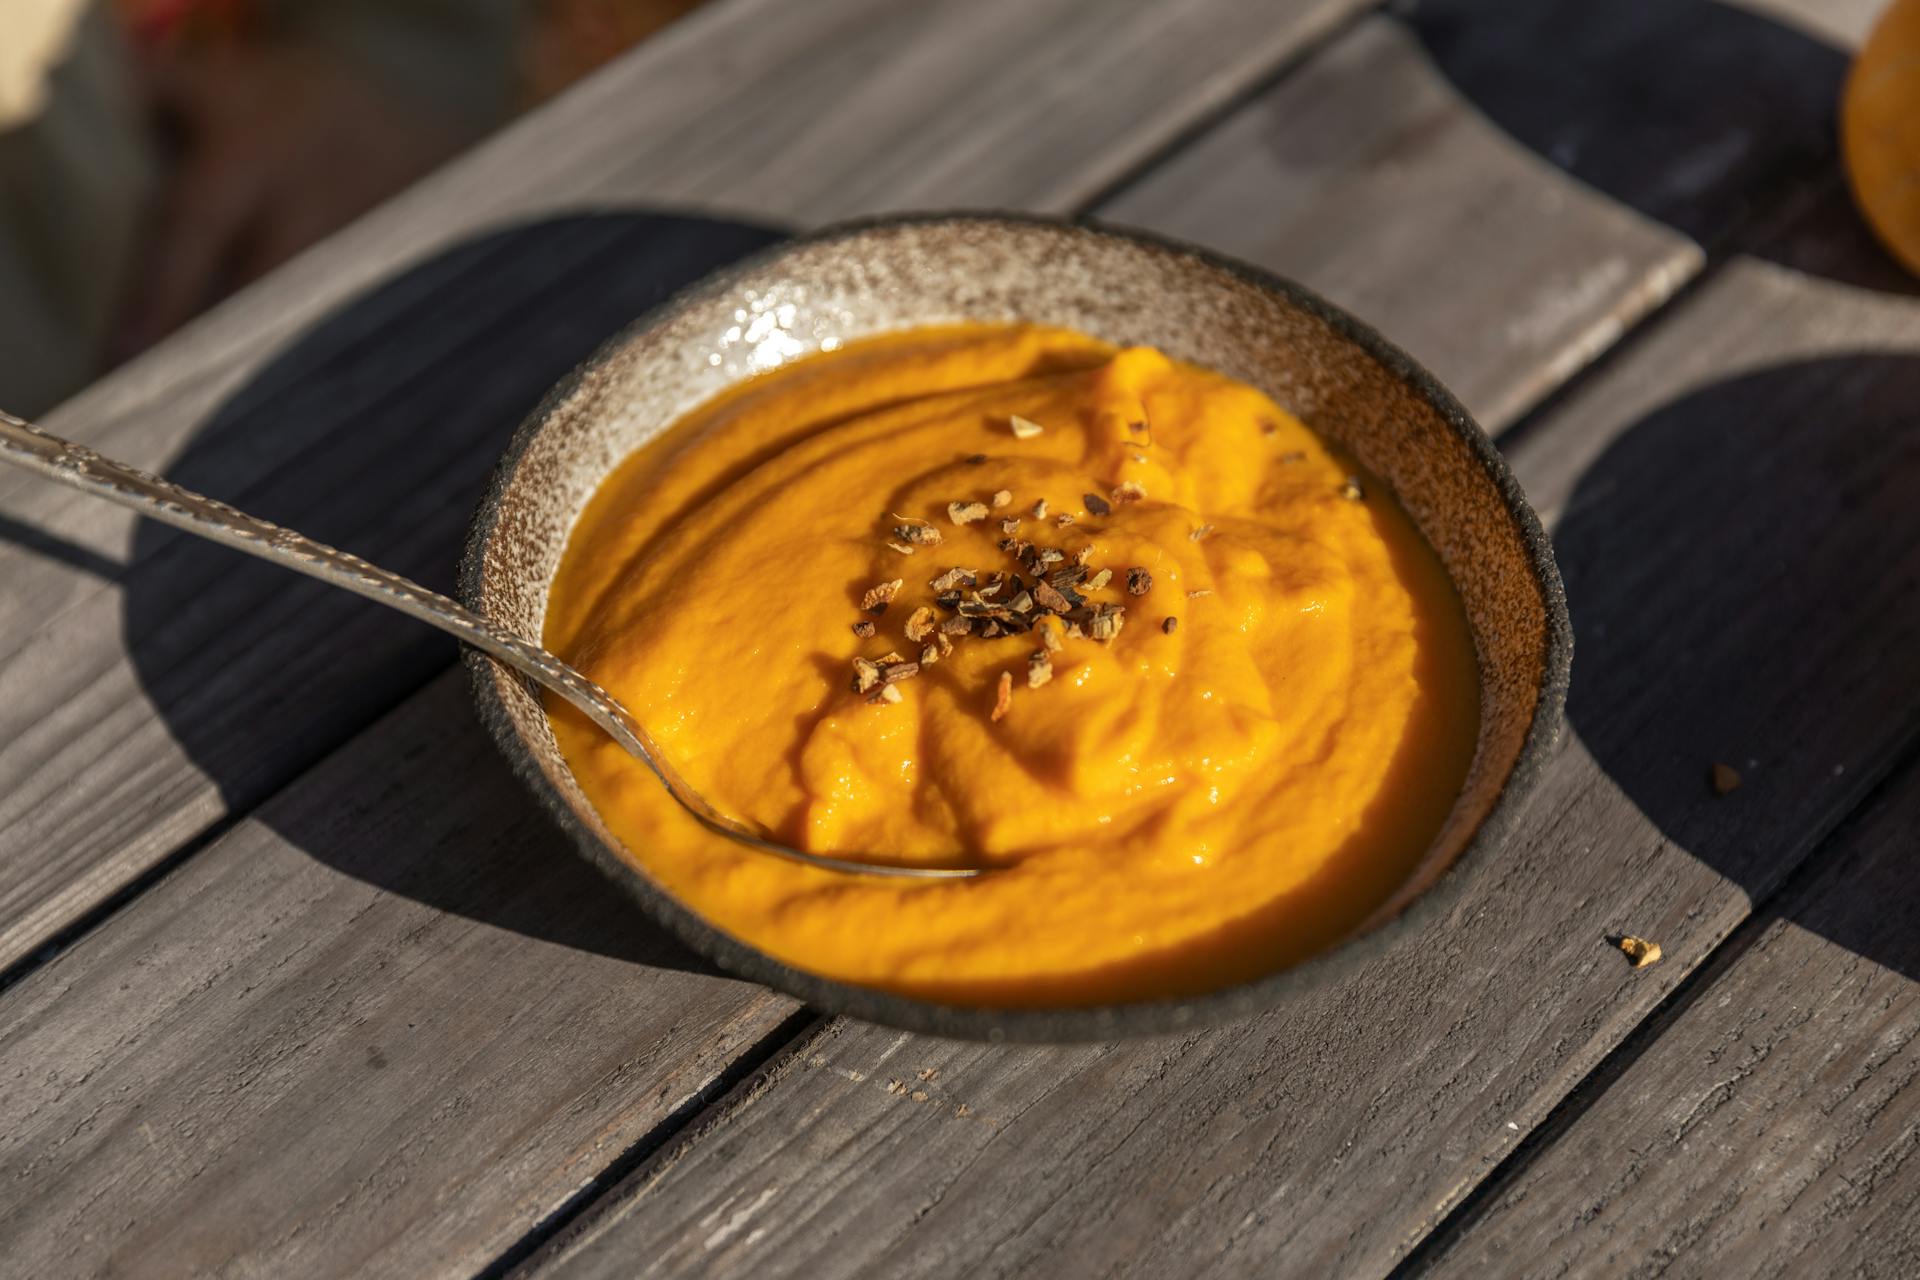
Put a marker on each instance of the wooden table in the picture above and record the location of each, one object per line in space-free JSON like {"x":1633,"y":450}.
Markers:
{"x":299,"y":983}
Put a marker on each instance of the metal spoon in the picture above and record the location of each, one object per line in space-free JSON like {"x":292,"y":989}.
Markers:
{"x":27,"y":446}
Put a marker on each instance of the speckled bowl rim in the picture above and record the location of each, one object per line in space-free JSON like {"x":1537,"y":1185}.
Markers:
{"x":1063,"y":1024}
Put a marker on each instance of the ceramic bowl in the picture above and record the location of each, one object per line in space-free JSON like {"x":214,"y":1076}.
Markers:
{"x":853,"y":281}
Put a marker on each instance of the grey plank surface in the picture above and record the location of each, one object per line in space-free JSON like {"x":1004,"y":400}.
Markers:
{"x":1773,"y":1126}
{"x":363,"y":390}
{"x":1265,"y":1073}
{"x":1733,"y":506}
{"x":1418,"y":170}
{"x":281,"y":1061}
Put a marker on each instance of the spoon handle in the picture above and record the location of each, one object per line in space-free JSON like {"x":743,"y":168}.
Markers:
{"x":78,"y":467}
{"x":29,"y":447}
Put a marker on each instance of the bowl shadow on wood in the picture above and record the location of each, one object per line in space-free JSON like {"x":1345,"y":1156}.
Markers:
{"x":1743,"y":571}
{"x":383,"y":420}
{"x":1692,"y":112}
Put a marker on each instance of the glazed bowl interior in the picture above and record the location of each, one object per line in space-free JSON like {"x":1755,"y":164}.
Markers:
{"x":852,"y":282}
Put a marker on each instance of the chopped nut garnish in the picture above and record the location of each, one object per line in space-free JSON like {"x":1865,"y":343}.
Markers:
{"x":930,"y":654}
{"x":1002,"y":498}
{"x":1169,"y":624}
{"x":1040,"y":509}
{"x":940,"y":642}
{"x":901,"y":547}
{"x":1050,"y":598}
{"x":1084,"y":554}
{"x":863,"y":628}
{"x":878,"y":597}
{"x":1198,"y":592}
{"x":1099,"y":579}
{"x":954,"y":578}
{"x":1064,"y":519}
{"x":918,"y":532}
{"x":1003,"y":696}
{"x":921,"y":624}
{"x":1106,"y":621}
{"x":1638,"y":950}
{"x":1725,"y":779}
{"x":955,"y":626}
{"x":1139,"y":582}
{"x":1039,"y":668}
{"x":885,"y":693}
{"x":1128,"y":491}
{"x":895,"y":672}
{"x":1010,"y":524}
{"x":966,"y":512}
{"x":1024,"y":428}
{"x":1050,"y":629}
{"x":1200,"y":533}
{"x":1096,"y":505}
{"x":865,"y":675}
{"x":1351,"y":490}
{"x":1022,"y":603}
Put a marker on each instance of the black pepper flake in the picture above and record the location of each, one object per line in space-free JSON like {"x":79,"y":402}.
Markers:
{"x":1169,"y":625}
{"x":1139,"y":582}
{"x":1096,"y":505}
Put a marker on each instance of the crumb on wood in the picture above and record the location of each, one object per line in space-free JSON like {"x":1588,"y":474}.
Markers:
{"x":1638,"y":950}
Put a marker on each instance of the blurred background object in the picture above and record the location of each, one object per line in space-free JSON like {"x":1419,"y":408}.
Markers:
{"x":155,"y":155}
{"x":1880,"y":130}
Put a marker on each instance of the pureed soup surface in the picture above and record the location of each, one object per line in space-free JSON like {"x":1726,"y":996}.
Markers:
{"x":1247,"y":705}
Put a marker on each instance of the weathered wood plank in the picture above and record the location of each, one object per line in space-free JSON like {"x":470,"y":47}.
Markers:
{"x":278,"y":1061}
{"x":1773,"y":1127}
{"x":369,"y":417}
{"x":1371,"y":178}
{"x":1373,"y":174}
{"x":1733,"y":500}
{"x":515,"y":1199}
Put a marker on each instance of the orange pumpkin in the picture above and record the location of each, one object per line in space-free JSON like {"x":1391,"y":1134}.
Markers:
{"x":1880,"y":130}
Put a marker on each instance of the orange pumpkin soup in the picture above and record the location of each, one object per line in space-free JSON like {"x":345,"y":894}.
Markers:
{"x":1113,"y":624}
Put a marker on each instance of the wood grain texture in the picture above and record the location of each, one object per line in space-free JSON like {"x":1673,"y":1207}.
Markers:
{"x":1226,"y":1150}
{"x":281,"y":1061}
{"x":1773,"y":1126}
{"x":361,"y":393}
{"x":1418,"y":173}
{"x":1741,"y":477}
